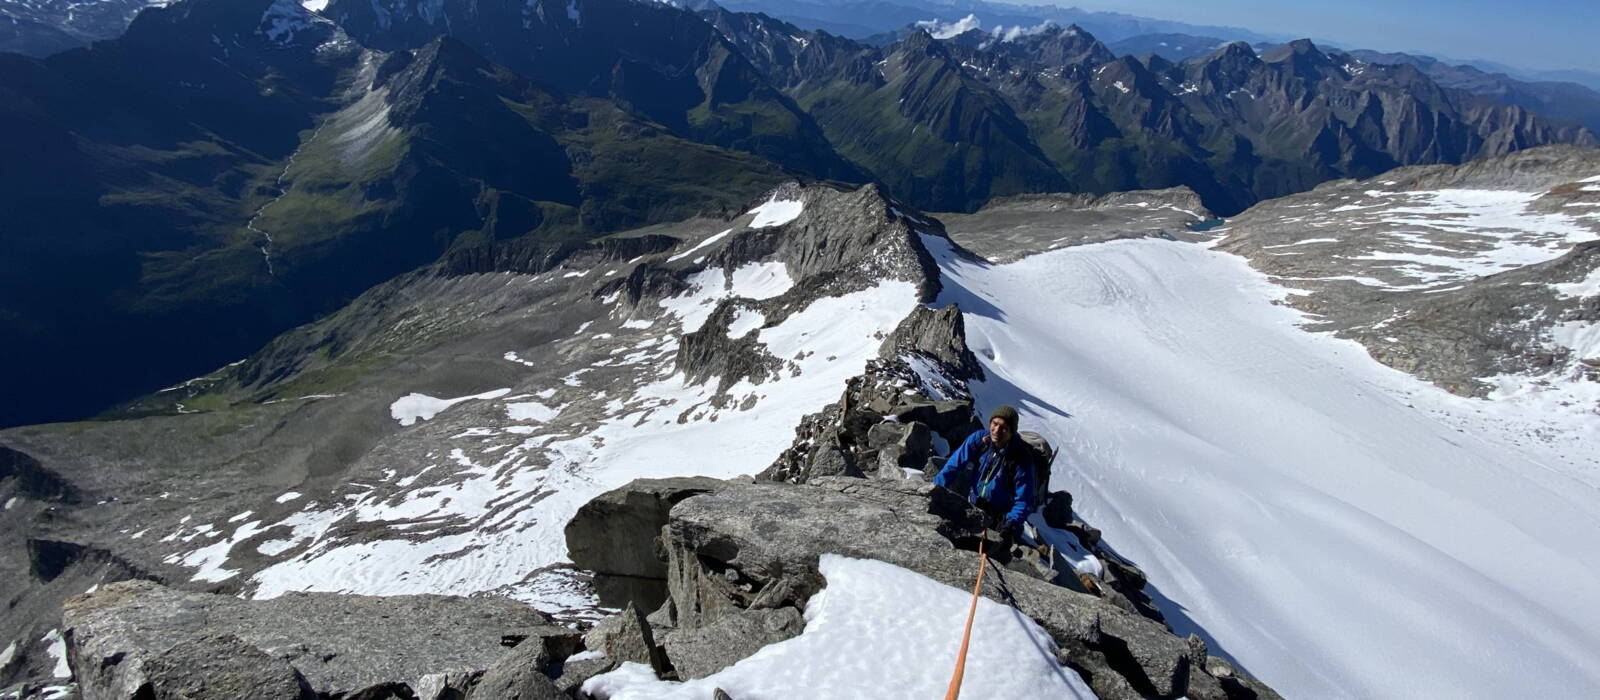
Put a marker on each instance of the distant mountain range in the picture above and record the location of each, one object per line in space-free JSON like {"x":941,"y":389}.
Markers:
{"x":229,"y":169}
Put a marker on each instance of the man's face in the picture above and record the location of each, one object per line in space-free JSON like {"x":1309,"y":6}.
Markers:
{"x":999,"y":431}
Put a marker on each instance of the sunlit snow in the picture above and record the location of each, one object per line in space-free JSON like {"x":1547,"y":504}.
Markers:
{"x":516,"y":508}
{"x":56,"y":647}
{"x":878,"y":631}
{"x":776,"y":212}
{"x":1339,"y":528}
{"x":411,"y":408}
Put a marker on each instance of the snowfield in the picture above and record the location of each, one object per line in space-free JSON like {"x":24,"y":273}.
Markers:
{"x":878,"y":631}
{"x":1337,"y":528}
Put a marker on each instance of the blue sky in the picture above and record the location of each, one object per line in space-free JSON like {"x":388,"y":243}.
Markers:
{"x":1526,"y":33}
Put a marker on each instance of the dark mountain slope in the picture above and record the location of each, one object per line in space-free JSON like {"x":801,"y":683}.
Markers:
{"x":229,"y":170}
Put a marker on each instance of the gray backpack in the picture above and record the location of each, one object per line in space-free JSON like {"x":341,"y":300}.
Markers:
{"x":1043,"y":456}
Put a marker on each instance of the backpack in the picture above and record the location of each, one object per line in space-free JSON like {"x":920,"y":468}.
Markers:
{"x":1043,"y":456}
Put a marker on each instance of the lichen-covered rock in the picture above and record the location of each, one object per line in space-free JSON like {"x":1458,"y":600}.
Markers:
{"x":219,"y":667}
{"x":340,"y":644}
{"x":446,"y":685}
{"x":700,"y":652}
{"x":628,"y":637}
{"x":521,"y":674}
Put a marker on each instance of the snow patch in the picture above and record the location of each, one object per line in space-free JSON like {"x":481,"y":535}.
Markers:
{"x":531,"y":410}
{"x":776,"y":212}
{"x":878,"y":631}
{"x":708,"y":241}
{"x":744,"y":321}
{"x":707,"y":287}
{"x":411,"y":408}
{"x":761,"y":280}
{"x":513,"y":357}
{"x":56,"y":647}
{"x":1587,"y":287}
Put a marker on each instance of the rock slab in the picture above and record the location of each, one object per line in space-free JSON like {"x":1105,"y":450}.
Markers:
{"x":131,"y":633}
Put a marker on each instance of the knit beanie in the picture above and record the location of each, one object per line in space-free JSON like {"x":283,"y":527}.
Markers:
{"x":1007,"y":414}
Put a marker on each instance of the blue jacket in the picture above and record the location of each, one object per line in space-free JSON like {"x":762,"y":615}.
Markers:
{"x":1004,"y":477}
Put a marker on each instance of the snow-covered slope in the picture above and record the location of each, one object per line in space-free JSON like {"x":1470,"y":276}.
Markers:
{"x":1337,"y":527}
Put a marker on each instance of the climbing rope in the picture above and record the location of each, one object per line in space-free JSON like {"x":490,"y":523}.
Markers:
{"x":966,"y":635}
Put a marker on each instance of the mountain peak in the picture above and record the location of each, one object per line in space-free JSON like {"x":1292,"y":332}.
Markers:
{"x":920,"y":41}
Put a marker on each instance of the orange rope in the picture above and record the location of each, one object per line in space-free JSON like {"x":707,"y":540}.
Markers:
{"x":966,"y":636}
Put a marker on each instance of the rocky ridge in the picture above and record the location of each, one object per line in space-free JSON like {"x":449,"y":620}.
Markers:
{"x":332,"y":444}
{"x":378,"y":477}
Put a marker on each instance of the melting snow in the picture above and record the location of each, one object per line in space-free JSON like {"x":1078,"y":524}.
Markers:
{"x":707,"y":287}
{"x":708,"y":241}
{"x":57,"y":648}
{"x":9,"y":654}
{"x":878,"y":631}
{"x":411,"y":408}
{"x":1339,"y":527}
{"x":775,"y":212}
{"x":531,"y":410}
{"x":761,"y":280}
{"x":1588,"y":287}
{"x":514,"y":506}
{"x":744,"y":321}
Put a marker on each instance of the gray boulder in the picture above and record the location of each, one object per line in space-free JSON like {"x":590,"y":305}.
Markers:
{"x":700,"y":652}
{"x":519,"y":675}
{"x":900,"y":446}
{"x":614,"y":536}
{"x":628,"y":637}
{"x":340,"y":644}
{"x":219,"y":667}
{"x":953,"y":420}
{"x":447,"y":685}
{"x":575,"y":672}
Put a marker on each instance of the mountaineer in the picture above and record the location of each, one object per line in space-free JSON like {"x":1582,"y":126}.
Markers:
{"x":1000,"y":468}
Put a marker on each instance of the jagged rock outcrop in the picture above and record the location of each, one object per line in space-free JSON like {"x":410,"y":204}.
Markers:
{"x":126,"y":636}
{"x":702,"y":651}
{"x":742,"y":564}
{"x":220,"y":666}
{"x":603,"y":537}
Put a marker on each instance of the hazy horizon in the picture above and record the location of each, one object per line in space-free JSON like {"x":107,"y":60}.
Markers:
{"x":1535,"y":34}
